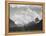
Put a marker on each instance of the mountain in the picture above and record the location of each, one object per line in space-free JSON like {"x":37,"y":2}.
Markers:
{"x":31,"y":26}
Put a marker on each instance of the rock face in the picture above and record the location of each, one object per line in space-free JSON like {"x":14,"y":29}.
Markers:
{"x":31,"y":26}
{"x":12,"y":26}
{"x":39,"y":25}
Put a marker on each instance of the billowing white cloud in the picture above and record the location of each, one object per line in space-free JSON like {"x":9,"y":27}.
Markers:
{"x":24,"y":16}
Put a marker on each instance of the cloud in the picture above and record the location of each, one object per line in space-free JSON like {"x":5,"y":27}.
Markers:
{"x":24,"y":16}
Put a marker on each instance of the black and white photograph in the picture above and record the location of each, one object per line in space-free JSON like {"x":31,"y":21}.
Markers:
{"x":25,"y":18}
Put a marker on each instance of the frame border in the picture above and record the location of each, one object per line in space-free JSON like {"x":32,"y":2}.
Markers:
{"x":7,"y":17}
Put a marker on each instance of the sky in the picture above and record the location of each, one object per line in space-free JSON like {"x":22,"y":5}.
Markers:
{"x":23,"y":14}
